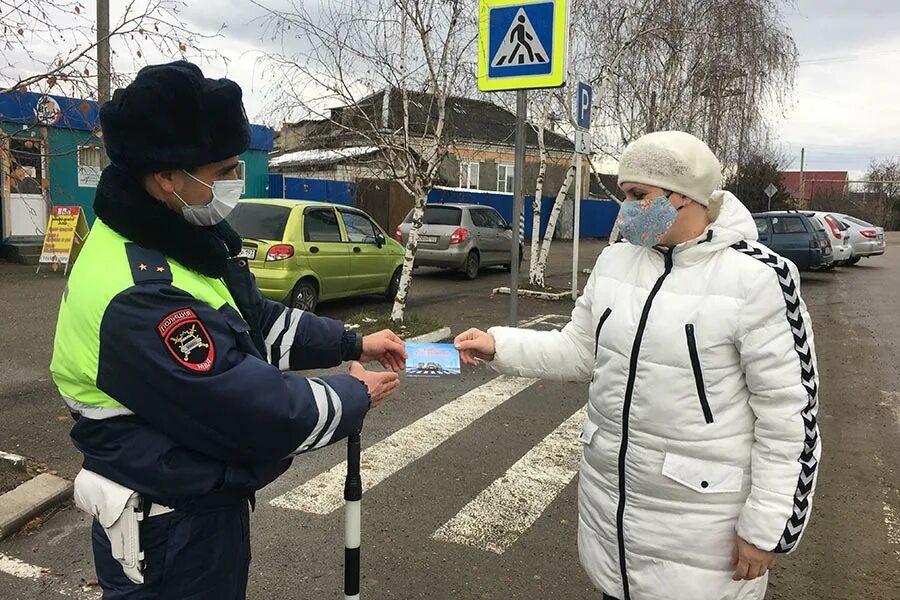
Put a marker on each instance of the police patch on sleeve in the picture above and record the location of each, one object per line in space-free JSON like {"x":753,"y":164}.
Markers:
{"x":187,"y":340}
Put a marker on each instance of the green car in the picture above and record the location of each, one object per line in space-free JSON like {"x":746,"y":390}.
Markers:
{"x":305,"y":252}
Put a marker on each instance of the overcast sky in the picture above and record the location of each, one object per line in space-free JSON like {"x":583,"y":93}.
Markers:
{"x":846,"y":108}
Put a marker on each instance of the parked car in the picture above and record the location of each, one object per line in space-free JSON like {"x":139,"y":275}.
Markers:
{"x":865,"y":239}
{"x":303,"y":253}
{"x":837,"y":235}
{"x":465,"y":237}
{"x":794,"y":235}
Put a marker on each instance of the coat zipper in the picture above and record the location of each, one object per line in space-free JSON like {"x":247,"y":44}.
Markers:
{"x":603,"y":319}
{"x":698,"y":372}
{"x":626,"y":411}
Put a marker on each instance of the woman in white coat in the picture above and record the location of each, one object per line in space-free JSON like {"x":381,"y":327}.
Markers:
{"x":701,"y":443}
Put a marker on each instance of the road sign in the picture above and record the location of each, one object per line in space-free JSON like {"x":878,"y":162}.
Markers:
{"x":521,"y":44}
{"x":583,"y":105}
{"x":770,"y":190}
{"x":582,"y":142}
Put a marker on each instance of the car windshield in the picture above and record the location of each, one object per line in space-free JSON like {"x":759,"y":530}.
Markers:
{"x":439,"y":215}
{"x":259,"y":221}
{"x":856,"y":221}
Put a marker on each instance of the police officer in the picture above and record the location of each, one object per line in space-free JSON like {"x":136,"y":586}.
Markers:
{"x":171,"y":361}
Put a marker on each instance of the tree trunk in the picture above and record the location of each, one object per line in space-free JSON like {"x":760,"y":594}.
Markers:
{"x":412,"y":245}
{"x":551,"y":223}
{"x":536,"y":210}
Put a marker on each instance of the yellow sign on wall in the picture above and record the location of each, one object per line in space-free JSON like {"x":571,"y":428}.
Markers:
{"x":521,"y":44}
{"x":66,"y":232}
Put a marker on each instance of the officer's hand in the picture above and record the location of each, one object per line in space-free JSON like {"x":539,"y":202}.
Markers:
{"x":381,"y":385}
{"x":475,"y":346}
{"x":385,"y":347}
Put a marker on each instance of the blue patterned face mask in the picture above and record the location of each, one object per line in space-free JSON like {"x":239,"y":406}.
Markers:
{"x":645,"y":222}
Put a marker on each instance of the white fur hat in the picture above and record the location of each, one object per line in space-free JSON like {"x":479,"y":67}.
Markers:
{"x":674,"y":161}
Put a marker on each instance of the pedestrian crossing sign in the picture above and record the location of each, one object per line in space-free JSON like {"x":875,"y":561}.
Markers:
{"x":521,"y":44}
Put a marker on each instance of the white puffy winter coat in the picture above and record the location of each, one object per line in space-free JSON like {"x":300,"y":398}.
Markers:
{"x":701,"y":413}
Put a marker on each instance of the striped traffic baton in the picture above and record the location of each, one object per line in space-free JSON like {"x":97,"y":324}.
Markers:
{"x":352,"y":519}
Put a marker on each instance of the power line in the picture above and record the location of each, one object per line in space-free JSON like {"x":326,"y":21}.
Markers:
{"x":847,"y":58}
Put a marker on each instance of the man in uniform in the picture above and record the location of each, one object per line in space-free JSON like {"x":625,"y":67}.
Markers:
{"x":171,"y":361}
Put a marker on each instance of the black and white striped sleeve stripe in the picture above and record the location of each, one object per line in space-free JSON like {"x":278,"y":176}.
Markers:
{"x":807,"y":458}
{"x":329,"y":406}
{"x":280,"y":338}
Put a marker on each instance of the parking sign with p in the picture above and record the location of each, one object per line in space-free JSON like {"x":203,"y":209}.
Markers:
{"x":583,"y":105}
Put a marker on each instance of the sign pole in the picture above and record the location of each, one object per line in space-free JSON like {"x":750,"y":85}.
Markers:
{"x":518,"y":203}
{"x":582,"y":148}
{"x":577,"y":240}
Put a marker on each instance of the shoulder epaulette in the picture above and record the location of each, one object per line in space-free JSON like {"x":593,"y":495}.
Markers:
{"x":148,"y":266}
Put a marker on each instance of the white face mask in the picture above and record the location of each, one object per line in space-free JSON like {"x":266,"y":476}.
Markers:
{"x":225,"y":196}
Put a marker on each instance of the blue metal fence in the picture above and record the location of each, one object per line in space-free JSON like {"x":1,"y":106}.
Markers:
{"x":321,"y":190}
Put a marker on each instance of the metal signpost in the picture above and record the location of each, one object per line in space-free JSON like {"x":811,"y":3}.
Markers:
{"x":521,"y":45}
{"x":582,"y":148}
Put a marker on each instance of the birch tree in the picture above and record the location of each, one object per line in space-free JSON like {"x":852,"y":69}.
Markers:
{"x":544,"y":106}
{"x":346,"y":52}
{"x":720,"y":69}
{"x":596,"y":53}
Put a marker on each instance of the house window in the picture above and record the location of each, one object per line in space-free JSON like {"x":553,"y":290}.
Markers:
{"x":90,"y":164}
{"x":468,"y":175}
{"x":242,"y":174}
{"x":505,"y":174}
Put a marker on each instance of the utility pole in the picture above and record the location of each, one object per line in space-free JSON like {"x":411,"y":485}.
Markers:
{"x":802,"y":179}
{"x":102,"y":51}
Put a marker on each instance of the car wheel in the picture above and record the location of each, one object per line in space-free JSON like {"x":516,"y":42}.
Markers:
{"x":473,"y":264}
{"x":305,"y":295}
{"x":854,"y":260}
{"x":394,"y":285}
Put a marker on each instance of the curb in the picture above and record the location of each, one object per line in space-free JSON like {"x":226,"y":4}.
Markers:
{"x":18,"y":462}
{"x":431,"y":337}
{"x":537,"y":295}
{"x":35,"y":496}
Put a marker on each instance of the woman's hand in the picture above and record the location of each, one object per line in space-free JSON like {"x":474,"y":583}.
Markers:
{"x":475,"y":346}
{"x":750,"y":562}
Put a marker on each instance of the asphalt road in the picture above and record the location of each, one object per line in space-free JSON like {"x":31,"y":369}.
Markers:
{"x":504,"y":480}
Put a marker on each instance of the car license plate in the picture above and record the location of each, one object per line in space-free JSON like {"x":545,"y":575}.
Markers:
{"x":248,"y":253}
{"x":428,"y":239}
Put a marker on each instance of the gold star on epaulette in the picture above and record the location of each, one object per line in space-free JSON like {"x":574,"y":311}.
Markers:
{"x":142,"y":267}
{"x":160,"y":269}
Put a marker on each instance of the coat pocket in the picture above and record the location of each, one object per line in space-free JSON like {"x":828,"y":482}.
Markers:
{"x":698,"y":372}
{"x":600,"y":324}
{"x":587,"y":432}
{"x":703,"y":476}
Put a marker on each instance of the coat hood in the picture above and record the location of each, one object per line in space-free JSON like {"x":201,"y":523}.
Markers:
{"x":735,"y":221}
{"x":735,"y":224}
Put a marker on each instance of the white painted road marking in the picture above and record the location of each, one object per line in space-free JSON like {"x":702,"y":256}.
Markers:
{"x":892,"y":401}
{"x":891,"y":519}
{"x":15,"y":567}
{"x":508,"y":507}
{"x":325,"y":493}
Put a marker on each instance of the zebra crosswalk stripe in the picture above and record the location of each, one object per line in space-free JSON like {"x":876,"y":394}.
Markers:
{"x":325,"y":493}
{"x":495,"y":519}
